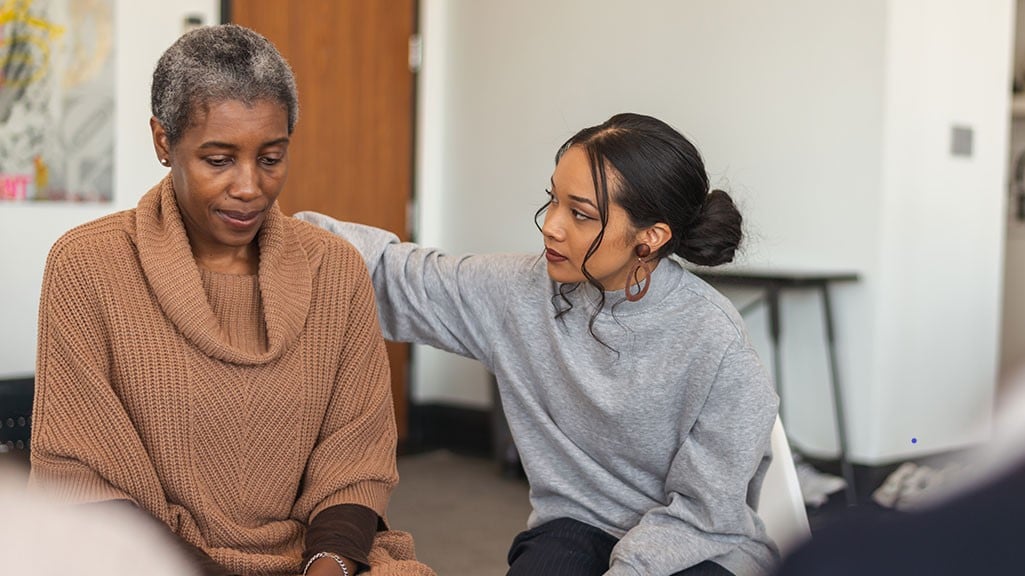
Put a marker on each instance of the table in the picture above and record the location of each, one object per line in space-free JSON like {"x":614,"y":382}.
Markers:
{"x":772,"y":283}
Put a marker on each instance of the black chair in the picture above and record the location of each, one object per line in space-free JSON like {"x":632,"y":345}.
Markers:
{"x":15,"y":417}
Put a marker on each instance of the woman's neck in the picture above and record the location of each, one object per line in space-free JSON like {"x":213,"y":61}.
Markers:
{"x":243,"y":260}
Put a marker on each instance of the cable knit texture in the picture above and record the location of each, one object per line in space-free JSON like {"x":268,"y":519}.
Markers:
{"x":231,"y":408}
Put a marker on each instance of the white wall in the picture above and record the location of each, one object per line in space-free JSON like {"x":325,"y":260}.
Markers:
{"x":829,"y":123}
{"x":143,"y":29}
{"x":439,"y":377}
{"x":737,"y":77}
{"x":941,"y":258}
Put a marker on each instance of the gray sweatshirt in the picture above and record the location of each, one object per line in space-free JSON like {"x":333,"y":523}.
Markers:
{"x":661,"y":441}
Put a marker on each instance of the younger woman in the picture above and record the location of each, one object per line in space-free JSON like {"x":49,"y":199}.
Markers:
{"x":639,"y":407}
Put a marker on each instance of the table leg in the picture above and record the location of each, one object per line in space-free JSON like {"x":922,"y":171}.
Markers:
{"x":838,"y":403}
{"x":775,"y":334}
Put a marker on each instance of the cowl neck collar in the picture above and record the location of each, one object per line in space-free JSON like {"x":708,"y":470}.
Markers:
{"x":284,"y":276}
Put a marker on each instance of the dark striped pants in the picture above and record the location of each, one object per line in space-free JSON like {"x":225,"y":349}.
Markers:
{"x":566,"y":547}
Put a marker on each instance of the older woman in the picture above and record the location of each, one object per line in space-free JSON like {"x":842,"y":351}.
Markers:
{"x":190,"y":361}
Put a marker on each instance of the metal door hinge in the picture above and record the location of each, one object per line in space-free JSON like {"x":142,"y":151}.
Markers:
{"x":412,"y":217}
{"x":416,"y":53}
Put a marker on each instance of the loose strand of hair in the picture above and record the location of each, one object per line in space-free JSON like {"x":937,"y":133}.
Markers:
{"x":598,"y":176}
{"x":564,"y":291}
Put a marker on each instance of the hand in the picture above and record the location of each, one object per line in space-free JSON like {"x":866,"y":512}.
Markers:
{"x":328,"y":567}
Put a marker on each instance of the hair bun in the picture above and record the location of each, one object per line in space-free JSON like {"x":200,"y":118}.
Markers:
{"x":714,"y":236}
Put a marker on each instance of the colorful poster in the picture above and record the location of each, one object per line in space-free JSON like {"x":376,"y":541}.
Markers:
{"x":56,"y":100}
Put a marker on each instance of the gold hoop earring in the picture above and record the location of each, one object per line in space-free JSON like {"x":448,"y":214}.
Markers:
{"x":642,"y":251}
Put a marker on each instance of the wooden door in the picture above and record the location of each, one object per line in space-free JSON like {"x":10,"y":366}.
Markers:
{"x":351,"y":155}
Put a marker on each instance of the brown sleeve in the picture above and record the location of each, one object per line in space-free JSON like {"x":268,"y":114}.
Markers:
{"x":346,"y":529}
{"x":353,"y":461}
{"x":199,"y":559}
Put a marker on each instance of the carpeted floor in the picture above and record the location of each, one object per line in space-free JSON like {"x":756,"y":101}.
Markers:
{"x":463,"y":513}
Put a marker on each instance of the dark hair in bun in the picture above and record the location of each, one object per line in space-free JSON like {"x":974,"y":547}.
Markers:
{"x":658,"y":176}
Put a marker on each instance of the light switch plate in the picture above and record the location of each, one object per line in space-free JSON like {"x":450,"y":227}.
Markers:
{"x":961,"y":141}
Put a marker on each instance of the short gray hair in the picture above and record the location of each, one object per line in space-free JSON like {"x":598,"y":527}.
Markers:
{"x":218,"y":63}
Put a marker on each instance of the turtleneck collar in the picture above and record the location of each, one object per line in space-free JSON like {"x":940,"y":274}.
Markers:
{"x":284,"y":276}
{"x":665,"y":279}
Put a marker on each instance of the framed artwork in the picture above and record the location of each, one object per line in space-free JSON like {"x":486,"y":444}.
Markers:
{"x":56,"y":100}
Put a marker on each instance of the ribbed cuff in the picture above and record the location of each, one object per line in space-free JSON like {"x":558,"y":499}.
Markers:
{"x":346,"y":529}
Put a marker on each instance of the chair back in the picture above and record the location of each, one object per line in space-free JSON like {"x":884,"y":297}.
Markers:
{"x":780,"y":504}
{"x":15,"y":416}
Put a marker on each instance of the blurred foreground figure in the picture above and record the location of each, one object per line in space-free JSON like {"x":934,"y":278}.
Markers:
{"x":974,"y":528}
{"x":43,"y":539}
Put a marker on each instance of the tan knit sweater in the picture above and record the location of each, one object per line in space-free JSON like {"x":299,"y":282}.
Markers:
{"x":155,"y":384}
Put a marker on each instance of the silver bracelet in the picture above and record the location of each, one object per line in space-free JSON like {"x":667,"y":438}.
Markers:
{"x":331,"y":555}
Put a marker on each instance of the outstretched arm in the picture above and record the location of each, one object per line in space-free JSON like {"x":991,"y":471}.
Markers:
{"x":427,"y":297}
